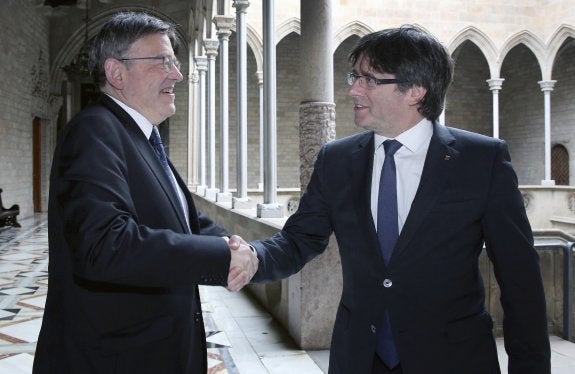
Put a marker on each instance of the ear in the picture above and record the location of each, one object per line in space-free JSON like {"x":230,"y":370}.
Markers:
{"x":114,"y":73}
{"x":416,"y":94}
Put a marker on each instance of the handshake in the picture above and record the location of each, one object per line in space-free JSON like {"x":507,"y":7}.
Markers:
{"x":243,"y":265}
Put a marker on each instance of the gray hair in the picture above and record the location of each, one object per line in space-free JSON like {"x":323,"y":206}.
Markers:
{"x":119,"y":33}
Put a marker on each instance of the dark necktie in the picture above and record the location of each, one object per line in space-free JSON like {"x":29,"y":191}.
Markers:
{"x":387,"y":232}
{"x":158,"y":146}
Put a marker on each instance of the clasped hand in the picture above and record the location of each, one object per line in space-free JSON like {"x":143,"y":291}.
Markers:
{"x":243,"y":265}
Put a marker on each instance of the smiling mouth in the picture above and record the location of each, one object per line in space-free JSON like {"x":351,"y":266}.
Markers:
{"x":168,"y":90}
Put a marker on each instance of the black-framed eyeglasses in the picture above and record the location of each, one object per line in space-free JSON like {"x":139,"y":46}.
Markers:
{"x":168,"y":63}
{"x":369,"y":82}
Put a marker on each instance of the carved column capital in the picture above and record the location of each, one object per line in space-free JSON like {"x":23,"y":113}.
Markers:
{"x":201,"y":63}
{"x":547,"y":86}
{"x":224,"y":25}
{"x":211,"y":46}
{"x":495,"y":83}
{"x":241,"y":5}
{"x":260,"y":77}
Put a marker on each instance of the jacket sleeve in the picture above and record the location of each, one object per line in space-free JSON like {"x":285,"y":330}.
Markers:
{"x":304,"y":236}
{"x":509,"y":244}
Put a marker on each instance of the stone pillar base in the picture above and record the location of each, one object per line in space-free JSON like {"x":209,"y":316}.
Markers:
{"x":211,"y":193}
{"x":224,"y":197}
{"x":242,"y":203}
{"x":201,"y":190}
{"x":270,"y":211}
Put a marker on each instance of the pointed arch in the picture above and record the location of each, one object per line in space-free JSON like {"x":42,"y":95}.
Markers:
{"x":257,"y":45}
{"x":287,"y":27}
{"x":559,"y":37}
{"x":485,"y":45}
{"x":532,"y":43}
{"x":355,"y":28}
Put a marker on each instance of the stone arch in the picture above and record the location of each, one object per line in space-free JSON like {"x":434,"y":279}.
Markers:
{"x":563,"y":33}
{"x":528,"y":39}
{"x":469,"y":101}
{"x":255,"y":42}
{"x":485,"y":45}
{"x":287,"y":27}
{"x":356,"y":28}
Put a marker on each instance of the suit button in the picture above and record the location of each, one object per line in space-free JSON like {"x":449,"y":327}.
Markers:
{"x":373,"y":329}
{"x":387,"y":283}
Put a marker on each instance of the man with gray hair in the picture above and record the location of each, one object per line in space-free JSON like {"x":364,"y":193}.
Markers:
{"x":127,"y":247}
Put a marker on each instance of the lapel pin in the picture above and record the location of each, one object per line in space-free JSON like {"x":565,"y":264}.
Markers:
{"x":447,"y":157}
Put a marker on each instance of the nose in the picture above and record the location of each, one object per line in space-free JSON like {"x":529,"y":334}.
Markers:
{"x":354,"y":89}
{"x":176,"y":74}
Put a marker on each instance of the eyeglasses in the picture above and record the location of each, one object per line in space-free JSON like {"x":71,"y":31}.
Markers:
{"x":369,"y":82}
{"x":168,"y":63}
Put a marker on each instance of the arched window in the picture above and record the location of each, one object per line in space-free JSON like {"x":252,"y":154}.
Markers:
{"x":560,"y":165}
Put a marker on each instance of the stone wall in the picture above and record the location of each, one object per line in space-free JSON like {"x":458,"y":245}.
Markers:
{"x":24,"y":82}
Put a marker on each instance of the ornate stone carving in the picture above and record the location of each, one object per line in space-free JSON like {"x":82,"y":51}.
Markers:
{"x":526,"y":200}
{"x":292,"y":205}
{"x":317,"y":127}
{"x":39,"y":77}
{"x":571,"y":203}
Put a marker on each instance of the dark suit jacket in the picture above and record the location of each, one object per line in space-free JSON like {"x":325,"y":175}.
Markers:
{"x":124,"y":265}
{"x":434,"y":293}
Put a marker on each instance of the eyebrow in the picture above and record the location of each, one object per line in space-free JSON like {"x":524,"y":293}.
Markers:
{"x":367,"y":75}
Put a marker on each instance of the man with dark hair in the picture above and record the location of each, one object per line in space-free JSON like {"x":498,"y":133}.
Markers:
{"x":127,"y":246}
{"x":411,"y":204}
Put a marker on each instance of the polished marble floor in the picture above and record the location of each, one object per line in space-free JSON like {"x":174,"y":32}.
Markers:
{"x":242,"y":337}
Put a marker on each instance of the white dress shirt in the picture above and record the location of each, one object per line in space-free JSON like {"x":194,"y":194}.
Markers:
{"x":409,"y":160}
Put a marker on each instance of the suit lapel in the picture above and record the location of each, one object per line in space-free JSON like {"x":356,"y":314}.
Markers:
{"x":363,"y":156}
{"x":361,"y":167}
{"x":192,"y":212}
{"x":438,"y":164}
{"x":145,"y":149}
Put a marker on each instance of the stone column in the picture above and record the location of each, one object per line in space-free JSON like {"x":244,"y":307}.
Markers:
{"x":211,"y":47}
{"x":269,"y":208}
{"x":317,"y":107}
{"x":260,"y":78}
{"x":202,"y":66}
{"x":224,"y":26}
{"x":547,"y":86}
{"x":495,"y":85}
{"x":193,"y":125}
{"x":242,"y":200}
{"x":312,"y":310}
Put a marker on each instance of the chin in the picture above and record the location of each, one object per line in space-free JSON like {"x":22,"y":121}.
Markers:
{"x":170,"y":112}
{"x":364,"y":126}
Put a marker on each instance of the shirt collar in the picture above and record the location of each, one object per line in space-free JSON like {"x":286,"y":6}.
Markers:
{"x":412,"y":139}
{"x":143,"y":123}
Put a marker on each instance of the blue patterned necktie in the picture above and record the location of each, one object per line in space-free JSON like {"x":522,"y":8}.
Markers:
{"x":387,"y":233}
{"x":158,"y":146}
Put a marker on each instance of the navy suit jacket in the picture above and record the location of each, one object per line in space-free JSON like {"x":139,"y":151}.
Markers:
{"x":468,"y":195}
{"x":123,"y":263}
